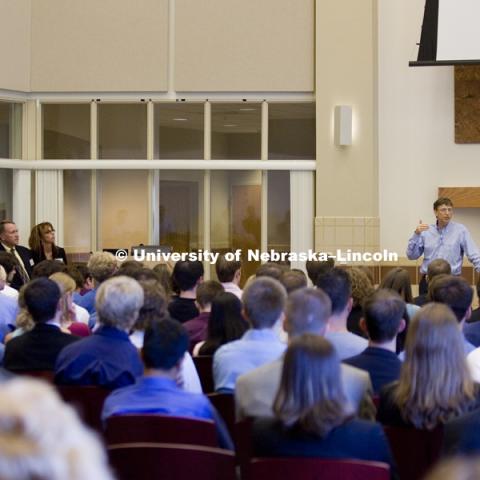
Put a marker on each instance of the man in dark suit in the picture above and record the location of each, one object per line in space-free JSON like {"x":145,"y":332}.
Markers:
{"x":383,"y":319}
{"x":9,"y":239}
{"x":39,"y":348}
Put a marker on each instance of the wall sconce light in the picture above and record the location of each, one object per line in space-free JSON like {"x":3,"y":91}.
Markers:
{"x":343,"y":125}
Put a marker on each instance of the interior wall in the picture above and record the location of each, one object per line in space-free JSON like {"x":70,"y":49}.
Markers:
{"x":416,"y":131}
{"x":15,"y":21}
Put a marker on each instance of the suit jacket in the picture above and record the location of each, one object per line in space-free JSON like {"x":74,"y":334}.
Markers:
{"x":461,"y":436}
{"x":37,"y":349}
{"x":40,"y":256}
{"x":256,"y":390}
{"x":26,"y":256}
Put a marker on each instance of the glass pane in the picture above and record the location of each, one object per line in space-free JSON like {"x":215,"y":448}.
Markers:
{"x":5,"y":194}
{"x":10,"y":130}
{"x":181,"y":210}
{"x":236,"y":131}
{"x":66,"y":131}
{"x":122,"y":131}
{"x":179,"y":130}
{"x":291,"y":131}
{"x":278,"y":211}
{"x":236,"y":215}
{"x":123,"y":199}
{"x":76,"y":210}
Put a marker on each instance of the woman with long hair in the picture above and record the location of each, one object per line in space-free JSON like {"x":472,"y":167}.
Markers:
{"x":312,"y":417}
{"x":225,"y":324}
{"x":435,"y":385}
{"x":42,"y":244}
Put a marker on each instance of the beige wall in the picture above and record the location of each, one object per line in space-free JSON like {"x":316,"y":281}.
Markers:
{"x":15,"y":44}
{"x":108,"y":45}
{"x":249,"y":45}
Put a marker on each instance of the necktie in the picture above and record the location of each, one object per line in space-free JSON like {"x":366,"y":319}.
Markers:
{"x":21,"y":269}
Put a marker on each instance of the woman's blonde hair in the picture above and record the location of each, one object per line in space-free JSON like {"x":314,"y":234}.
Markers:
{"x":67,"y":285}
{"x":42,"y":438}
{"x":435,"y":384}
{"x":24,"y":320}
{"x":311,"y":393}
{"x":362,"y":286}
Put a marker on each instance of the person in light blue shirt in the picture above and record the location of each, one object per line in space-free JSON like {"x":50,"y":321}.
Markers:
{"x":156,"y":392}
{"x":263,"y":306}
{"x":443,"y":239}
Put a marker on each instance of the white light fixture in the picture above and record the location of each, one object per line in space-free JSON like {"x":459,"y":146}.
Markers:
{"x":229,"y":125}
{"x":180,"y":119}
{"x":343,"y":125}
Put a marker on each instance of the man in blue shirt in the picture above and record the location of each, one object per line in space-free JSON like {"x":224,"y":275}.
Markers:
{"x":157,"y":392}
{"x":443,"y":239}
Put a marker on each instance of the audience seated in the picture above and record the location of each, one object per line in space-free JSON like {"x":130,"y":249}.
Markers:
{"x":107,"y":358}
{"x":307,"y":311}
{"x":164,"y":347}
{"x":293,"y":280}
{"x":337,"y":285}
{"x":9,"y":263}
{"x":383,"y":319}
{"x":312,"y":415}
{"x":439,"y":266}
{"x":197,"y":327}
{"x":270,"y":269}
{"x":82,"y":278}
{"x":38,"y":349}
{"x":229,"y":273}
{"x":42,"y":438}
{"x":263,"y":304}
{"x":8,"y":307}
{"x":186,"y":277}
{"x":475,"y":317}
{"x":362,"y":288}
{"x":47,"y":267}
{"x":318,"y":267}
{"x":225,"y":324}
{"x":164,"y":277}
{"x":435,"y":385}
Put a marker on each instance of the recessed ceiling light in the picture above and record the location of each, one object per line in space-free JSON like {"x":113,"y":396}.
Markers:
{"x":247,"y":109}
{"x":180,"y":119}
{"x":229,"y":125}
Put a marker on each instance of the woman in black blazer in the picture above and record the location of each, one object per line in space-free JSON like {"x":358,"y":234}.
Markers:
{"x":42,"y":244}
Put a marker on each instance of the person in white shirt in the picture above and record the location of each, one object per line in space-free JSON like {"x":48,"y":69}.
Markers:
{"x":229,"y":273}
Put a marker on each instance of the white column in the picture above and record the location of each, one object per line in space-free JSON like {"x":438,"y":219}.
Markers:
{"x":22,"y":202}
{"x":48,"y":199}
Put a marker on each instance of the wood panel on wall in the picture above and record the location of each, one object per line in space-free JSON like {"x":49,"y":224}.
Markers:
{"x":462,"y":197}
{"x":467,"y":104}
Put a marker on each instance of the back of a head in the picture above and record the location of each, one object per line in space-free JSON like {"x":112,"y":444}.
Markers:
{"x":65,"y":282}
{"x":154,"y":305}
{"x":307,"y":311}
{"x":311,"y":393}
{"x":47,"y":267}
{"x":383,"y":311}
{"x":226,"y":322}
{"x":8,"y":261}
{"x":186,"y":274}
{"x":41,"y":297}
{"x":318,"y":267}
{"x":226,"y":269}
{"x":438,"y":266}
{"x":336,"y":284}
{"x":118,"y":302}
{"x":362,"y":286}
{"x":398,"y":280}
{"x":271,"y":270}
{"x":293,"y":280}
{"x":165,"y":344}
{"x":264,"y":301}
{"x":207,"y":291}
{"x":452,"y":291}
{"x":164,"y":277}
{"x":42,"y":438}
{"x":101,"y":265}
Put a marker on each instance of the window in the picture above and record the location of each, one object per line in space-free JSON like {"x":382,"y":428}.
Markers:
{"x":5,"y":194}
{"x":10,"y":130}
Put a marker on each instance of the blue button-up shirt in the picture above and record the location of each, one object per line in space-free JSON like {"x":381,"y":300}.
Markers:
{"x":449,"y":243}
{"x":162,"y":396}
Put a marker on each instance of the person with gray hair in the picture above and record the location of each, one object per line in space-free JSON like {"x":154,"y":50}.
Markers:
{"x":307,"y":311}
{"x":107,"y":358}
{"x":263,"y":305}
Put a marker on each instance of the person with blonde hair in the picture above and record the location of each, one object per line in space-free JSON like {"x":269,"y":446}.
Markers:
{"x":42,"y":244}
{"x":362,"y":288}
{"x":435,"y":385}
{"x":69,"y":320}
{"x":312,"y":417}
{"x":42,"y":438}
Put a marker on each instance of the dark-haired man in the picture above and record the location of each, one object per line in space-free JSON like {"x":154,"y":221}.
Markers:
{"x":383,"y":319}
{"x":229,"y":273}
{"x":164,"y":347}
{"x":439,"y":266}
{"x":186,"y":276}
{"x":39,"y":348}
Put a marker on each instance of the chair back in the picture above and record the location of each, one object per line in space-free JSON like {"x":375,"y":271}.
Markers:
{"x":160,"y":429}
{"x":204,"y":366}
{"x":166,"y":461}
{"x":415,"y":451}
{"x":225,"y":405}
{"x":316,"y":469}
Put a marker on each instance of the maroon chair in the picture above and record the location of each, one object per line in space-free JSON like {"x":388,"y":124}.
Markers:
{"x":87,"y":400}
{"x":204,"y":364}
{"x":47,"y":375}
{"x":167,"y":461}
{"x":225,"y":405}
{"x":160,"y":429}
{"x":415,"y":451}
{"x":316,"y":469}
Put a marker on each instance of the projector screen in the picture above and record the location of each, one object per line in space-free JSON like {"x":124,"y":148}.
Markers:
{"x":458,"y":36}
